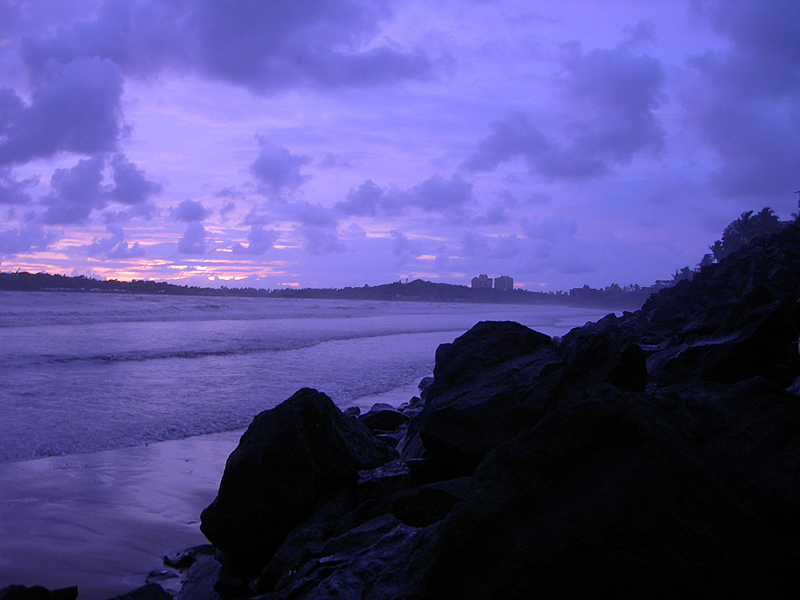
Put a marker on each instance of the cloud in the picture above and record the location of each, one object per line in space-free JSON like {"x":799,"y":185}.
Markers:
{"x":13,"y":191}
{"x":333,"y":161}
{"x":193,"y":240}
{"x":75,"y":192}
{"x":644,"y":31}
{"x":262,"y":46}
{"x":26,"y":239}
{"x":131,"y":186}
{"x":438,"y":194}
{"x":622,"y":90}
{"x":114,"y":246}
{"x":402,"y":246}
{"x":320,"y":241}
{"x":230,"y":192}
{"x":314,"y":215}
{"x":189,"y":211}
{"x":743,"y":103}
{"x":551,"y":227}
{"x":259,"y":240}
{"x":76,"y":109}
{"x":278,"y":171}
{"x":614,"y":95}
{"x":435,"y":194}
{"x":362,"y":201}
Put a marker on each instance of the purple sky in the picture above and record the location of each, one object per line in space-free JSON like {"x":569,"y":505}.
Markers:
{"x":342,"y":143}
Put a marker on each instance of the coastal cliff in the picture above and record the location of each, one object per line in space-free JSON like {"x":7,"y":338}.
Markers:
{"x":650,"y":454}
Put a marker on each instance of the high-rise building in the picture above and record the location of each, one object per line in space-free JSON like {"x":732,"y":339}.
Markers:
{"x":482,"y":282}
{"x":504,"y":283}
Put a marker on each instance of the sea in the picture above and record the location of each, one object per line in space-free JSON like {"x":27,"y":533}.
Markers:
{"x":84,"y":372}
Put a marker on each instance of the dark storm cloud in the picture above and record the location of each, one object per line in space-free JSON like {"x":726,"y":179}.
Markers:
{"x":193,"y":240}
{"x":75,"y":109}
{"x":259,"y":240}
{"x":13,"y":191}
{"x":76,"y":192}
{"x":745,"y":103}
{"x":25,"y":239}
{"x":189,"y":211}
{"x":435,"y":194}
{"x":613,"y":94}
{"x":114,"y":246}
{"x":278,"y":171}
{"x":261,"y":46}
{"x":131,"y":186}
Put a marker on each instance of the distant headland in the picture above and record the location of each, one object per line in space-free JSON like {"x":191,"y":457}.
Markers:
{"x":744,"y":230}
{"x":612,"y":296}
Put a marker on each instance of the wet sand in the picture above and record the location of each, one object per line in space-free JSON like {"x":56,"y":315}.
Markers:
{"x":103,"y":520}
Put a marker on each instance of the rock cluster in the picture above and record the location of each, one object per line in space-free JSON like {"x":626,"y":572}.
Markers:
{"x":656,"y":453}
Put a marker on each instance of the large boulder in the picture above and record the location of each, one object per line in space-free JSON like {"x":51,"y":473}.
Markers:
{"x":291,"y":459}
{"x":502,"y":385}
{"x":627,"y":496}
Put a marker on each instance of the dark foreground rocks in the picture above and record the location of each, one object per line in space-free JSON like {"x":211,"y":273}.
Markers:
{"x":653,"y":455}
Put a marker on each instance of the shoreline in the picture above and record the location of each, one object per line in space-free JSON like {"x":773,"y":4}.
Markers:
{"x":103,"y":520}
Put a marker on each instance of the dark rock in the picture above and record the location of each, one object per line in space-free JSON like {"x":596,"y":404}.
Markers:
{"x":652,"y":454}
{"x":21,"y":592}
{"x":423,"y":386}
{"x":383,"y":419}
{"x":381,"y":559}
{"x":468,"y":415}
{"x":751,"y":347}
{"x":200,"y":579}
{"x":598,"y":354}
{"x":186,"y":558}
{"x":631,"y":497}
{"x":486,"y":345}
{"x":305,"y":542}
{"x":383,"y":481}
{"x":287,"y":462}
{"x":351,"y":411}
{"x":151,"y":591}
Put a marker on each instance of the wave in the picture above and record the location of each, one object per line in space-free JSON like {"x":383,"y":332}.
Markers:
{"x":277,"y":345}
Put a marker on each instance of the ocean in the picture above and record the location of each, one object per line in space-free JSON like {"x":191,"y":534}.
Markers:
{"x":83,"y":372}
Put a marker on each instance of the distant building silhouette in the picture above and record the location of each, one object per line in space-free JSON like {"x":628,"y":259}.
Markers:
{"x":482,"y":282}
{"x":503,"y":283}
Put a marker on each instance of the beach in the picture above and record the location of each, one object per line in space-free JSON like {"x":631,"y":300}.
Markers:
{"x":104,"y":520}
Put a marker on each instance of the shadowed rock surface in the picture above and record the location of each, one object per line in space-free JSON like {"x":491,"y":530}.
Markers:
{"x":288,"y":461}
{"x":652,"y":454}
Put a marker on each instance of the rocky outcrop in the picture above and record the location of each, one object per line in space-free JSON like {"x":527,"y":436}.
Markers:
{"x":291,"y":459}
{"x":654,"y":453}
